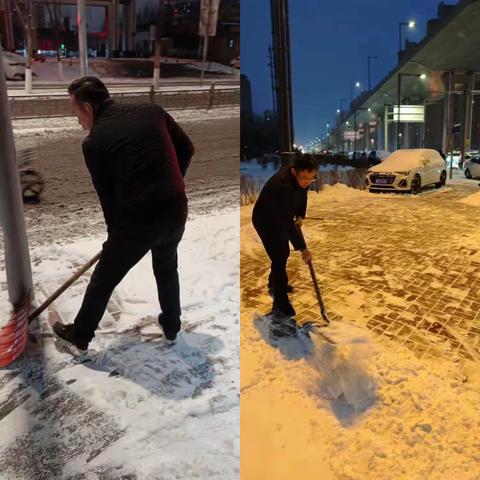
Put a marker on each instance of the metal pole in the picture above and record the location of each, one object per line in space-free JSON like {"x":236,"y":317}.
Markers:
{"x":399,"y":101}
{"x":82,"y":37}
{"x":281,"y":48}
{"x":272,"y":78}
{"x":385,"y":129}
{"x":467,"y":123}
{"x":367,"y":132}
{"x":378,"y":127}
{"x":204,"y":57}
{"x":288,"y":71}
{"x":354,"y":132}
{"x":449,"y":126}
{"x":17,"y":257}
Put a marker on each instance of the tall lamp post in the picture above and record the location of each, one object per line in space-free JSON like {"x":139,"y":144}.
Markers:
{"x":369,"y":76}
{"x":399,"y":100}
{"x":283,"y":79}
{"x":410,"y":24}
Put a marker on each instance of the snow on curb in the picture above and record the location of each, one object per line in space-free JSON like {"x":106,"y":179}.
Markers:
{"x":341,"y":192}
{"x":472,"y":200}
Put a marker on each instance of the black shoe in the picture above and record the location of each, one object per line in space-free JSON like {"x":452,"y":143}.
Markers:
{"x":289,"y":289}
{"x":284,"y":308}
{"x":66,"y":333}
{"x":170,"y":326}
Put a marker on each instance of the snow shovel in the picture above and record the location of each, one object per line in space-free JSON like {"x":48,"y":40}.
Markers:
{"x":339,"y":333}
{"x":62,"y":288}
{"x":323,"y":310}
{"x":13,"y":335}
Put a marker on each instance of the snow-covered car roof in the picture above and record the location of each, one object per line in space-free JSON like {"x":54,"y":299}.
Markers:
{"x":13,"y":57}
{"x":405,"y":160}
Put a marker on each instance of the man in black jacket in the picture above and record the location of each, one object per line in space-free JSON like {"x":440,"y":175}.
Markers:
{"x":277,"y":214}
{"x":137,"y":157}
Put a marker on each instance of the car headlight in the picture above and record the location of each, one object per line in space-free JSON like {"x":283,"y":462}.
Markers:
{"x":403,"y":173}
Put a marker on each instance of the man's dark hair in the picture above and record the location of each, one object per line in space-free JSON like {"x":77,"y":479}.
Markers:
{"x":89,"y":90}
{"x":305,"y":162}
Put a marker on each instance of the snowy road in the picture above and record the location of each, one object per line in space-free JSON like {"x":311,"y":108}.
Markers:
{"x":70,"y":207}
{"x":401,"y":273}
{"x":138,"y":409}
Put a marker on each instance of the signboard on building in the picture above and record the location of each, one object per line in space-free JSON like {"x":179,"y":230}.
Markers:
{"x":409,"y":113}
{"x":350,"y":135}
{"x":208,"y":17}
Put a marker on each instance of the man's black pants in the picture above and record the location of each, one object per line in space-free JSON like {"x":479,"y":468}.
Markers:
{"x":121,"y":251}
{"x":278,"y":251}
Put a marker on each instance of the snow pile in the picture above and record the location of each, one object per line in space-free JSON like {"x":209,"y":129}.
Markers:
{"x":422,"y":426}
{"x":342,"y":371}
{"x":472,"y":200}
{"x":341,"y":192}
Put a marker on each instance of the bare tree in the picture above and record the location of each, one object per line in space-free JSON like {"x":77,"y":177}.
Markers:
{"x":164,"y":11}
{"x":24,"y":9}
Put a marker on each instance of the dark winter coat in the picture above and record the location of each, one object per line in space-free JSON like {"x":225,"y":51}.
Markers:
{"x":280,"y":201}
{"x":137,"y":156}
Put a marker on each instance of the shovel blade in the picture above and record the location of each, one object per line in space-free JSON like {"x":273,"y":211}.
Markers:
{"x":13,"y":335}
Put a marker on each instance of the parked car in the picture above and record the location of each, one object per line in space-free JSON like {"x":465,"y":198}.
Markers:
{"x":14,"y":66}
{"x":472,"y":167}
{"x":408,"y":171}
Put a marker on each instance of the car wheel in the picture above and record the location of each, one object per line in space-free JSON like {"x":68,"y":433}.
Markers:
{"x":443,"y":180}
{"x":416,"y":184}
{"x":468,"y":173}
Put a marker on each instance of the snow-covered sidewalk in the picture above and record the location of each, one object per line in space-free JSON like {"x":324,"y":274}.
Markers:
{"x":399,"y":272}
{"x":139,"y":409}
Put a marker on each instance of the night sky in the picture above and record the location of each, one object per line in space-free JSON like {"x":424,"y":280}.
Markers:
{"x":331,"y":41}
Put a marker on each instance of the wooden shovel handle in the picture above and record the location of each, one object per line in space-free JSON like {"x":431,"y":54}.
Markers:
{"x":61,"y":289}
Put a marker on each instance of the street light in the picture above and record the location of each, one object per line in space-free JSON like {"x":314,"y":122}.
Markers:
{"x":399,"y":100}
{"x":411,"y":25}
{"x":369,"y":82}
{"x":356,"y":84}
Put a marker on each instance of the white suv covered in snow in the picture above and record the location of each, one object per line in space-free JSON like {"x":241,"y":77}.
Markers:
{"x":472,"y":167}
{"x":408,"y":171}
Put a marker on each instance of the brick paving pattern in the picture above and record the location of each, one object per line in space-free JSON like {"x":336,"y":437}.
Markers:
{"x":407,"y":268}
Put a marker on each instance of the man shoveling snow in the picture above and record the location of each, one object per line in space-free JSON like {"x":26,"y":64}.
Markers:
{"x":280,"y":208}
{"x":137,"y":156}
